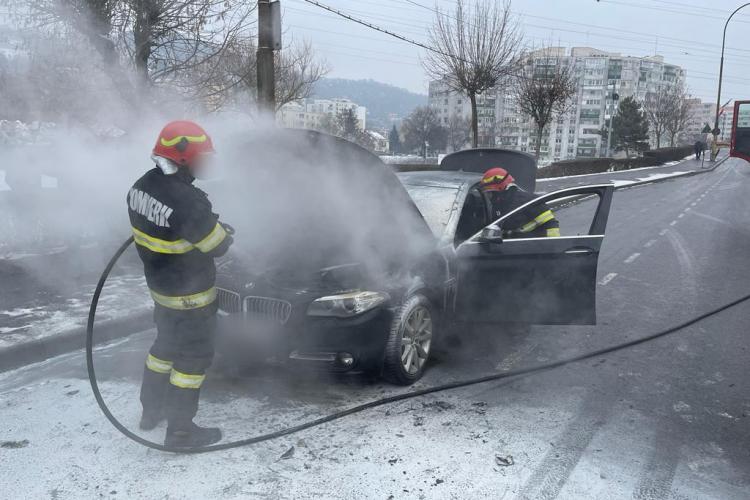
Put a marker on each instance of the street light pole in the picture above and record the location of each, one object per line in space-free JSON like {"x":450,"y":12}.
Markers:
{"x":611,"y":117}
{"x":715,"y":131}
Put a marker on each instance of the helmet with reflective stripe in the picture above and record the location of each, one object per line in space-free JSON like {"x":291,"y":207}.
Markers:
{"x":496,"y":179}
{"x":182,"y":142}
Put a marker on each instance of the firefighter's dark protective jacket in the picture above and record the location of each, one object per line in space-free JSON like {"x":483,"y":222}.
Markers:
{"x":177,"y":235}
{"x":535,"y":221}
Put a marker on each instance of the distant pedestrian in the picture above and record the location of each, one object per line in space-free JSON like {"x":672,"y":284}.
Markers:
{"x":699,"y":147}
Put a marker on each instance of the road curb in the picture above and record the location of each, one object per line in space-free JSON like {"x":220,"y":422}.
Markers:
{"x":70,"y":340}
{"x":685,"y":174}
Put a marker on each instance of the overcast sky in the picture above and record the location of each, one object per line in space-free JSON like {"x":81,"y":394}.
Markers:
{"x":685,"y":32}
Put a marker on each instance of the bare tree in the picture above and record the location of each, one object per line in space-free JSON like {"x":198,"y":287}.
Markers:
{"x":545,"y":88}
{"x":474,"y":49}
{"x":458,"y":132}
{"x":92,"y":19}
{"x":681,"y":112}
{"x":231,"y":79}
{"x":659,"y":108}
{"x":422,"y":130}
{"x":162,"y":40}
{"x":297,"y":71}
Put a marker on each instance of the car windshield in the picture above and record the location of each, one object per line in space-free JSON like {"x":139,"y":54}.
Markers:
{"x":435,"y":203}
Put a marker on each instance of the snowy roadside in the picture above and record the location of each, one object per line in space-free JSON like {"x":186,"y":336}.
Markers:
{"x":123,"y":296}
{"x":633,"y":177}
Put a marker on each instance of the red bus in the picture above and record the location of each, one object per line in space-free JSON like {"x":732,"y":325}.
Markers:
{"x":740,"y":147}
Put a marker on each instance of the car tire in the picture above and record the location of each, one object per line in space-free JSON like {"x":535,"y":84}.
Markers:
{"x":410,"y":339}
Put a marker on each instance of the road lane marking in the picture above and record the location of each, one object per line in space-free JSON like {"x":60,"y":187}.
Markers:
{"x":649,"y":243}
{"x":681,"y":216}
{"x":693,"y":203}
{"x":632,"y":258}
{"x":673,"y":223}
{"x":711,"y":218}
{"x":663,"y":232}
{"x":607,"y":279}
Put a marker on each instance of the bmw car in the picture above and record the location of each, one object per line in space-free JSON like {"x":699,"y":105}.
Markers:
{"x":341,"y":263}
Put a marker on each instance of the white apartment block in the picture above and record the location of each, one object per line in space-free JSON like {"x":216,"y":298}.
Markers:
{"x":308,"y":113}
{"x":726,"y":119}
{"x":701,"y":114}
{"x":576,"y":133}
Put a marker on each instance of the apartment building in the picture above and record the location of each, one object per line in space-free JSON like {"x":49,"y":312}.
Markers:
{"x":309,"y":113}
{"x":576,"y":133}
{"x":448,"y":103}
{"x":701,"y":114}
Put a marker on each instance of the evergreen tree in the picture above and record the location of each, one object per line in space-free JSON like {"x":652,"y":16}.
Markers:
{"x":348,"y":124}
{"x":629,"y":127}
{"x":394,"y":141}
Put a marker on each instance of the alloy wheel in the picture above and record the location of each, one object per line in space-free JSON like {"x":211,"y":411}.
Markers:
{"x":416,"y":339}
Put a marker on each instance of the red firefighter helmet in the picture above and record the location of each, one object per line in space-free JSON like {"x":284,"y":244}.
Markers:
{"x":496,"y":179}
{"x":182,"y":142}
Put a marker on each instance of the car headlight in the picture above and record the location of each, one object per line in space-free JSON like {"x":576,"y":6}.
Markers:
{"x":346,"y":305}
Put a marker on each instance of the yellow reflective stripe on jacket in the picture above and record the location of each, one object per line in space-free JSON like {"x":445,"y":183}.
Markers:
{"x":190,"y":138}
{"x":213,"y":240}
{"x":553,"y":232}
{"x":185,"y":380}
{"x":184,"y":302}
{"x":161,"y":246}
{"x":158,"y":365}
{"x":539,"y":220}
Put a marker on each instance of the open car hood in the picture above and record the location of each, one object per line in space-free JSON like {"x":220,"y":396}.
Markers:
{"x":522,"y":166}
{"x":302,"y":201}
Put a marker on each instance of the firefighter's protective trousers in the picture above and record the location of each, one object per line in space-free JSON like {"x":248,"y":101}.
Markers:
{"x":177,"y":362}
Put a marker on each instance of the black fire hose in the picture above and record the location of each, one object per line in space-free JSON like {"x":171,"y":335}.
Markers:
{"x":354,"y":409}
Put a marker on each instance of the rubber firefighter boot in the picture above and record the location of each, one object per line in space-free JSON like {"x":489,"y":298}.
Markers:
{"x":150,"y":419}
{"x":190,"y":435}
{"x":153,"y":394}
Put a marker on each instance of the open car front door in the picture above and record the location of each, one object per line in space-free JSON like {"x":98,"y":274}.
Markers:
{"x":547,"y":280}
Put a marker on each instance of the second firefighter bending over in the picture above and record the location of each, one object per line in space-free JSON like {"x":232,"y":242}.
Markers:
{"x":178,"y":235}
{"x":535,"y":221}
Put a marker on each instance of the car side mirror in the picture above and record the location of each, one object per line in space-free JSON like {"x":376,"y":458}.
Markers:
{"x":491,"y":234}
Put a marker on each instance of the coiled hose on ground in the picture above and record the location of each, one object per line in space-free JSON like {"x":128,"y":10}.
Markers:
{"x":354,"y":409}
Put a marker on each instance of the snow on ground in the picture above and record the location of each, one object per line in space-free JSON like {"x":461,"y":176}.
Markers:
{"x":436,"y":447}
{"x":668,"y":164}
{"x":122,"y":296}
{"x":648,"y":178}
{"x":487,"y":441}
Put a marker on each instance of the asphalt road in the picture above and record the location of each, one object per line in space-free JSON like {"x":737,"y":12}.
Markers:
{"x":669,"y":419}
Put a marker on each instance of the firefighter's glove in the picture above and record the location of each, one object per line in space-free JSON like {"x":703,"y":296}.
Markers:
{"x":227,"y":228}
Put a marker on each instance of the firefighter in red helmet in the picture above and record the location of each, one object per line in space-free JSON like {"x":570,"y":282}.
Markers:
{"x":535,"y":221}
{"x":177,"y":236}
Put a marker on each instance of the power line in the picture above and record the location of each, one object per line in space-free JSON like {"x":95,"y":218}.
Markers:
{"x":649,"y":40}
{"x":672,"y":11}
{"x":690,"y":71}
{"x":376,"y":28}
{"x":398,"y":36}
{"x":708,"y":53}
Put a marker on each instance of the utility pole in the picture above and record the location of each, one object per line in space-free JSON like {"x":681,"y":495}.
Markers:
{"x":615,"y":97}
{"x":269,"y":39}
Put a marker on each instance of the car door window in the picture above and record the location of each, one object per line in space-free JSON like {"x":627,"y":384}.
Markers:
{"x":560,"y":215}
{"x":473,"y":216}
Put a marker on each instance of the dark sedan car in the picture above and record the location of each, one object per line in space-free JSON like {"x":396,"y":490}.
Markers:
{"x":363,"y":269}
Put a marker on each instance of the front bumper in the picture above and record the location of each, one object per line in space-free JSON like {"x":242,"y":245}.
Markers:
{"x":316,"y":342}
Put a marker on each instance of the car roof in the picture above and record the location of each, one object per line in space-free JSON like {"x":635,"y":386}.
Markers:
{"x":440,"y":178}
